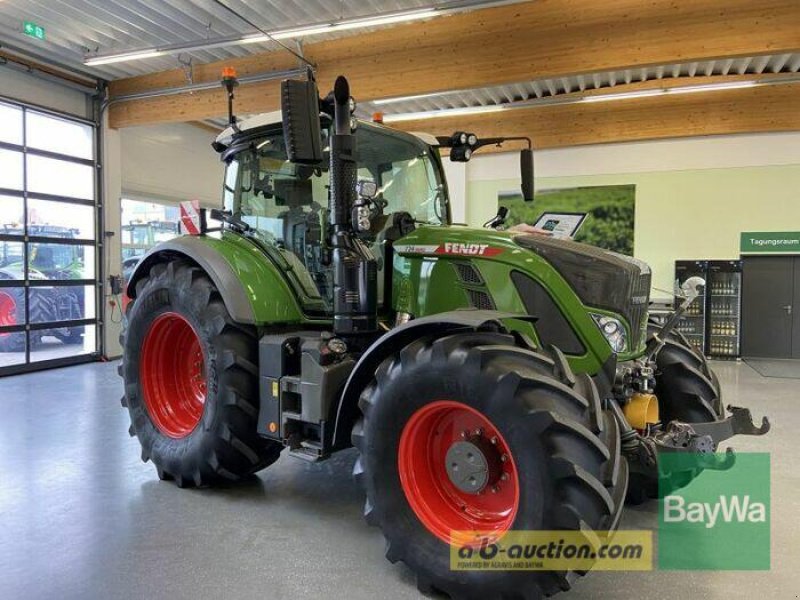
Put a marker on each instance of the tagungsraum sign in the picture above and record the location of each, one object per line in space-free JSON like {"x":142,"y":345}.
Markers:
{"x":720,"y":521}
{"x":777,"y":242}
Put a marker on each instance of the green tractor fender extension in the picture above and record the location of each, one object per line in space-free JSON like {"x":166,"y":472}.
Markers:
{"x":253,"y":290}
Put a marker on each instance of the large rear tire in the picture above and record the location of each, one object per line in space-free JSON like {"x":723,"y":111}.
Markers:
{"x":191,"y":380}
{"x":563,"y":469}
{"x":41,"y":309}
{"x":12,"y":312}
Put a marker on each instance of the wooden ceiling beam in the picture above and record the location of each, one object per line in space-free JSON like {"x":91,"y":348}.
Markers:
{"x":746,"y":110}
{"x":492,"y":46}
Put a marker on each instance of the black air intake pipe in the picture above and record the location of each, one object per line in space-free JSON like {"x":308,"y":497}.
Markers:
{"x":355,"y":272}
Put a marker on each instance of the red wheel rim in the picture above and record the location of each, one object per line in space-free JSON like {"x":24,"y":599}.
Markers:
{"x":172,"y":372}
{"x":8,"y":311}
{"x":438,"y":503}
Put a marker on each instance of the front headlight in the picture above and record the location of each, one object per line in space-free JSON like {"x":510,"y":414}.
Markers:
{"x":613,"y":330}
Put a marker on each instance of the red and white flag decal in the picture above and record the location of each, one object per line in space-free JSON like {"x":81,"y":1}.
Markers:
{"x":190,"y":217}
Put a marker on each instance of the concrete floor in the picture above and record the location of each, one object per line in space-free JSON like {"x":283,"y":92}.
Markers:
{"x":82,"y":517}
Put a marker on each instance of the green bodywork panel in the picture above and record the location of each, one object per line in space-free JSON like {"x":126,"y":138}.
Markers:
{"x":425,"y":282}
{"x":273,"y":289}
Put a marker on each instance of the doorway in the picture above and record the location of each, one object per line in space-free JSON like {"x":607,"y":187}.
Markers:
{"x":770,"y":305}
{"x":48,"y":239}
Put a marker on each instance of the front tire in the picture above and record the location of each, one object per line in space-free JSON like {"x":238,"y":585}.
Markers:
{"x":563,"y":469}
{"x":191,"y":380}
{"x":688,"y":390}
{"x":691,"y":388}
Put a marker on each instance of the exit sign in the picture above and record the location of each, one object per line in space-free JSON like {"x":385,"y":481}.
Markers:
{"x":32,"y":29}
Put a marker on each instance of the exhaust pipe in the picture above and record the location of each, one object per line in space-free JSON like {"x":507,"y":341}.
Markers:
{"x":355,"y":272}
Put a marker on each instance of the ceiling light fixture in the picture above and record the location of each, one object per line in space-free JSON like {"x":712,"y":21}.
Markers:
{"x":446,"y":112}
{"x":623,"y":95}
{"x":383,"y":101}
{"x":714,"y":87}
{"x":561,"y":100}
{"x":114,"y":58}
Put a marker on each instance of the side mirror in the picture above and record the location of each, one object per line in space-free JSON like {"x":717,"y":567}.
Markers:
{"x":499,"y":219}
{"x":526,"y":171}
{"x":301,"y":128}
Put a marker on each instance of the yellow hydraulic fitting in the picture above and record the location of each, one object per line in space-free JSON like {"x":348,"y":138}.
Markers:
{"x":641,"y":410}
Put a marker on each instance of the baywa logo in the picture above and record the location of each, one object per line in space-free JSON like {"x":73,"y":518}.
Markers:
{"x":730,"y":509}
{"x":719,"y":521}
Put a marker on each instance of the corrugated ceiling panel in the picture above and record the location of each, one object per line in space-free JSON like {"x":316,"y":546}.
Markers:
{"x":77,"y":27}
{"x":539,"y":88}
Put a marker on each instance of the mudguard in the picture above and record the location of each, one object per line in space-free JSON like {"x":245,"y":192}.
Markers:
{"x":251,"y":287}
{"x":464,"y":320}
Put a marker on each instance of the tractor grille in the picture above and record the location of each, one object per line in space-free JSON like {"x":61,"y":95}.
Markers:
{"x":640,"y":300}
{"x":467,"y":273}
{"x":474,"y":285}
{"x":601,"y":279}
{"x":480,"y":299}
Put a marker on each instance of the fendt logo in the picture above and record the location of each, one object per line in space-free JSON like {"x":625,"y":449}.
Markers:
{"x":468,"y":249}
{"x":451,"y":249}
{"x":729,"y":508}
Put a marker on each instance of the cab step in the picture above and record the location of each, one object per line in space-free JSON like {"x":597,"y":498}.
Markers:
{"x":308,"y":450}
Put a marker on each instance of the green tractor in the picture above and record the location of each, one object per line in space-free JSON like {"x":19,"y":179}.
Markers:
{"x":490,"y":380}
{"x":46,"y":303}
{"x":138,"y":238}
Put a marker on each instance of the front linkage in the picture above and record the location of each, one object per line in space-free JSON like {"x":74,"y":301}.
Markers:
{"x":696,"y":442}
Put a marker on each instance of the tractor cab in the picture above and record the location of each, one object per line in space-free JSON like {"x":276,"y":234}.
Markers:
{"x":286,"y":204}
{"x":46,"y":260}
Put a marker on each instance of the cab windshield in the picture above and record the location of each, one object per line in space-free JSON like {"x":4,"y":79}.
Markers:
{"x":273,"y":195}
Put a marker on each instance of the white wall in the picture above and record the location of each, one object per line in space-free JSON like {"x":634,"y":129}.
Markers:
{"x":27,"y":88}
{"x":693,"y":196}
{"x":456,"y":174}
{"x":170,"y":162}
{"x":716,"y":152}
{"x":112,"y":255}
{"x":164,"y":163}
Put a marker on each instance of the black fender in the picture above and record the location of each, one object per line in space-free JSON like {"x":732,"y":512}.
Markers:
{"x":211,"y":261}
{"x":347,"y":412}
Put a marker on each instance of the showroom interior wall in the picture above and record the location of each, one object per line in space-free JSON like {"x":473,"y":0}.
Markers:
{"x":112,"y":193}
{"x":170,"y":163}
{"x":163,"y":163}
{"x":693,"y":196}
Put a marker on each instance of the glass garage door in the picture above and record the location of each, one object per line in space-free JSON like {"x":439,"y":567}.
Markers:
{"x":48,"y":240}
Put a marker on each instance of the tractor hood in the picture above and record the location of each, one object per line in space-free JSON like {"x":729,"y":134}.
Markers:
{"x":600,"y":278}
{"x":581,"y":279}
